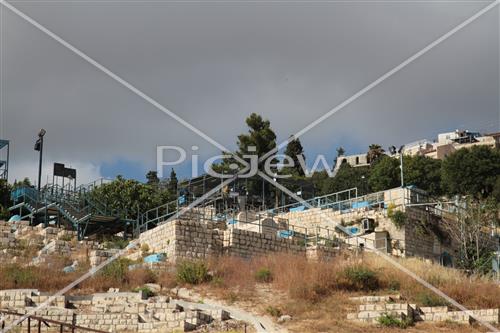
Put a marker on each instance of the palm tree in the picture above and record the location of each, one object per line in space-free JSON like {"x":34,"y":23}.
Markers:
{"x":374,"y":152}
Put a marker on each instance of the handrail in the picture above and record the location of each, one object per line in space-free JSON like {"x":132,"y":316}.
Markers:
{"x":316,"y":201}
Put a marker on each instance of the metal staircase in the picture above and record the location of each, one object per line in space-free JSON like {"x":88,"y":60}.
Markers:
{"x":74,"y":208}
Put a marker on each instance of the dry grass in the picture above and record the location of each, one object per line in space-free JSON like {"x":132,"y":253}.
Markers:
{"x":472,"y":291}
{"x":50,"y":277}
{"x":312,"y":281}
{"x":317,"y":294}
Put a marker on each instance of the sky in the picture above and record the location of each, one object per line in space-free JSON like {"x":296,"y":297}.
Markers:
{"x":213,"y":63}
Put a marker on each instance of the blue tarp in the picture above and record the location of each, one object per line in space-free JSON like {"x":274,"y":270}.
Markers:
{"x":285,"y":233}
{"x":298,"y":209}
{"x":231,"y":221}
{"x":361,"y":204}
{"x":15,"y":218}
{"x":182,"y":200}
{"x":154,"y":258}
{"x":353,"y":230}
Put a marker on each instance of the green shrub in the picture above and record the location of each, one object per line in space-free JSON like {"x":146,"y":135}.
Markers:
{"x":146,"y":292}
{"x":398,"y":218}
{"x":389,"y":320}
{"x":192,"y":272}
{"x":117,"y":269}
{"x":116,"y":243}
{"x":264,"y":275}
{"x":273,"y":311}
{"x":20,"y":276}
{"x":361,"y":278}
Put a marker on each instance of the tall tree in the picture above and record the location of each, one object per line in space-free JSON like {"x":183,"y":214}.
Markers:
{"x":5,"y":202}
{"x":130,"y":196}
{"x":348,"y":177}
{"x":259,"y":140}
{"x":470,"y":231}
{"x":172,"y":182}
{"x":260,"y":135}
{"x":471,"y":171}
{"x":375,"y":151}
{"x":152,"y":178}
{"x":294,"y":149}
{"x":423,"y":172}
{"x":385,"y":174}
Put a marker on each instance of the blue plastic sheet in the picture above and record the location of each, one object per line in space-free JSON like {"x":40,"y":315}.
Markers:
{"x":155,"y":258}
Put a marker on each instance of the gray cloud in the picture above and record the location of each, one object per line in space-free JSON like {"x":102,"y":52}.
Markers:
{"x":215,"y":63}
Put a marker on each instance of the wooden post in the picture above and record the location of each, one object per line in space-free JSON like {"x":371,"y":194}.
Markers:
{"x":73,"y":323}
{"x":61,"y":328}
{"x":29,"y":324}
{"x":39,"y":326}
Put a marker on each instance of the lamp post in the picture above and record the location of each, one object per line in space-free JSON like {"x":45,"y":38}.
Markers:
{"x":39,"y":148}
{"x":400,"y":151}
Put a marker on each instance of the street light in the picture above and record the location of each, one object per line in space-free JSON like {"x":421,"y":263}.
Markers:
{"x":392,"y":150}
{"x":39,"y":148}
{"x":400,"y":151}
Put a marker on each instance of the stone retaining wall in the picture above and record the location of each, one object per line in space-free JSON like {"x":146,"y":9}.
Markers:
{"x":246,"y":244}
{"x":384,"y":305}
{"x":180,"y":239}
{"x":113,"y":312}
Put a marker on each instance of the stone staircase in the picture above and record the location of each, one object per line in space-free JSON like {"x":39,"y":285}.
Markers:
{"x":374,"y":307}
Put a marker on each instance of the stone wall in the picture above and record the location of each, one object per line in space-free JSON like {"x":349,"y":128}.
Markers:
{"x":115,"y":312}
{"x":196,"y":240}
{"x":377,"y":306}
{"x":245,"y":243}
{"x":180,"y":239}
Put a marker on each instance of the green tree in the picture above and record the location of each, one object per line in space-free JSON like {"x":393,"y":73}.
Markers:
{"x":26,"y":182}
{"x":472,"y":171}
{"x":294,"y":149}
{"x":470,"y":230}
{"x":496,"y":190}
{"x":152,"y":178}
{"x":173,"y":182}
{"x":5,"y":189}
{"x":423,"y":172}
{"x":348,"y":177}
{"x":131,"y":196}
{"x":262,"y":139}
{"x":259,"y":140}
{"x":260,"y":135}
{"x":385,"y":174}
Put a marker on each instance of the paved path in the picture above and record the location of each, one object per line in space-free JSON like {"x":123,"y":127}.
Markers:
{"x":262,"y":324}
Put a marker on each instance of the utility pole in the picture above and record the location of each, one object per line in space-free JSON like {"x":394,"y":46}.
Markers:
{"x":401,"y":165}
